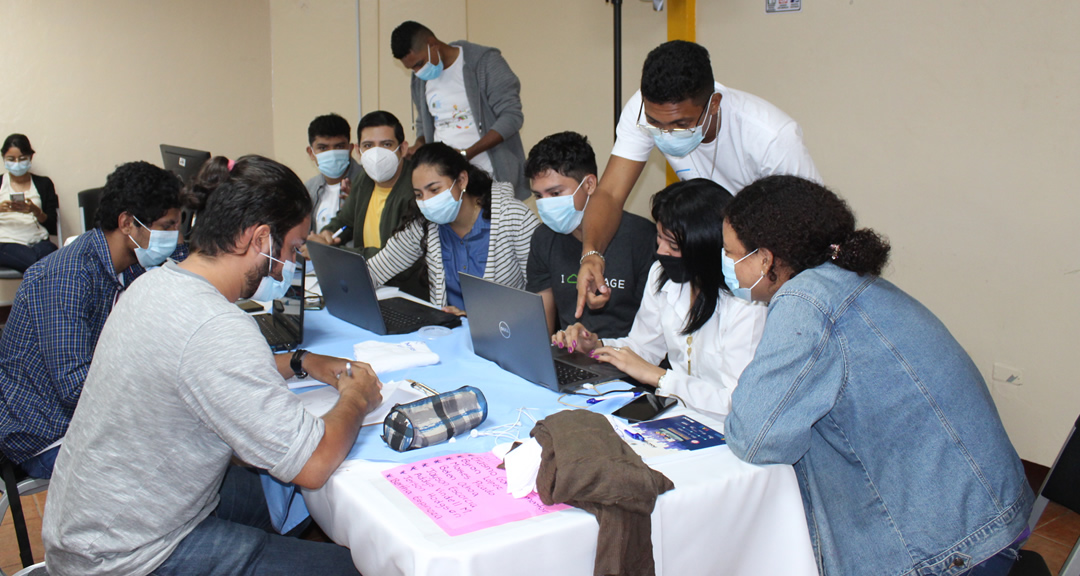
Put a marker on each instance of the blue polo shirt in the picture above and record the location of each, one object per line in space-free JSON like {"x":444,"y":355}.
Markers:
{"x":468,"y":255}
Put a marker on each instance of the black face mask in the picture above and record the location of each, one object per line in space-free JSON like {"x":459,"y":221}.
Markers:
{"x":674,"y":268}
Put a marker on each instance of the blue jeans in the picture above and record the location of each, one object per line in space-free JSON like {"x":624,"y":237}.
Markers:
{"x":41,"y":466}
{"x":238,"y":538}
{"x":21,"y":256}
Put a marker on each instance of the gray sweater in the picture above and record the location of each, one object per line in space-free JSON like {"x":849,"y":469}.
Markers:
{"x":494,"y":94}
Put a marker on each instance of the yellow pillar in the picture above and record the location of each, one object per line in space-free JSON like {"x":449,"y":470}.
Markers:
{"x":681,"y":25}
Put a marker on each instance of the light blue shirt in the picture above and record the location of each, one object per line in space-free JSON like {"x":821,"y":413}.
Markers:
{"x":468,"y":255}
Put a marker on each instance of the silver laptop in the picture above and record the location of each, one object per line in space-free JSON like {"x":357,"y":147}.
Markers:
{"x":508,"y":327}
{"x":350,"y":295}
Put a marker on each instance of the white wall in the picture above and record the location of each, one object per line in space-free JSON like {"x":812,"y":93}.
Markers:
{"x":951,"y":127}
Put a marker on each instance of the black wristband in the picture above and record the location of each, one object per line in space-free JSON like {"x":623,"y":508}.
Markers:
{"x":297,"y":364}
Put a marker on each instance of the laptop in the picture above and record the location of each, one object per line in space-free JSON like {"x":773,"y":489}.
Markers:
{"x":509,"y":328}
{"x":283,"y":326}
{"x":350,"y":295}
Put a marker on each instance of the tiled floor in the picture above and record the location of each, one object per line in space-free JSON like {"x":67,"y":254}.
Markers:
{"x":1054,"y":537}
{"x":33,"y":506}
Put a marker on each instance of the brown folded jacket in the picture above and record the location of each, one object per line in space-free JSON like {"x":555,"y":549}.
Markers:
{"x":585,"y":464}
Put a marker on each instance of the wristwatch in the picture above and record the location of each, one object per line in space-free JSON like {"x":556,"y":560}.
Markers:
{"x":297,"y":363}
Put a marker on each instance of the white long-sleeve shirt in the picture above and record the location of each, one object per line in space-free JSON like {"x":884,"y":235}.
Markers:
{"x":705,"y":365}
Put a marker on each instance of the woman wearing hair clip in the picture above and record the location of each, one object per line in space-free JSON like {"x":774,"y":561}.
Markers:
{"x":462,"y":221}
{"x":903,"y":463}
{"x":27,"y":209}
{"x":686,"y":314}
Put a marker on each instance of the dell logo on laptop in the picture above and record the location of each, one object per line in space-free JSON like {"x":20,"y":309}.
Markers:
{"x":504,"y":329}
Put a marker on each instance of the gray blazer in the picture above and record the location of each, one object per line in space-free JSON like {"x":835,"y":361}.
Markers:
{"x":494,"y":94}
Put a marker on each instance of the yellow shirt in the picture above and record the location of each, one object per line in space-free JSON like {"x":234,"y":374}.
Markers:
{"x":374,"y":216}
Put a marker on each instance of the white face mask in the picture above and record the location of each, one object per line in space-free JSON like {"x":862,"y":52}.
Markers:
{"x":380,"y":163}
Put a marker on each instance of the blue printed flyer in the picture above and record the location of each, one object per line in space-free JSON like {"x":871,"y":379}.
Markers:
{"x":676,"y":433}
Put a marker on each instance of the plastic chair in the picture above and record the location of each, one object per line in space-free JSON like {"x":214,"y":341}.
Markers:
{"x":1062,"y":485}
{"x":17,"y":482}
{"x":35,"y":570}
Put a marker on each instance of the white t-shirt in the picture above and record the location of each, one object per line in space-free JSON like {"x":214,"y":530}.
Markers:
{"x":448,"y":103}
{"x":16,"y":227}
{"x":756,"y":139}
{"x":329,"y":204}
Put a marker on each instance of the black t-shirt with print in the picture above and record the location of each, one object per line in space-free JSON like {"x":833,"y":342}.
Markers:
{"x":553,"y":263}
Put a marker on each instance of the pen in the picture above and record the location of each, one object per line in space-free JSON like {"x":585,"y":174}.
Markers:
{"x":416,"y":384}
{"x":338,"y":233}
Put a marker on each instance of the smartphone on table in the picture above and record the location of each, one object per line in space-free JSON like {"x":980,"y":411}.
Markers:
{"x":645,"y":407}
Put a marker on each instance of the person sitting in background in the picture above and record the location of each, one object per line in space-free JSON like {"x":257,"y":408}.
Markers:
{"x":381,"y":195}
{"x":687,"y":313}
{"x":63,"y":301}
{"x":903,"y":463}
{"x":27,"y":207}
{"x":181,"y":383}
{"x":562,"y":173}
{"x":330,"y":148}
{"x":461,"y":221}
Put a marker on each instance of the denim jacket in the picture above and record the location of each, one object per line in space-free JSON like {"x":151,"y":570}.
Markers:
{"x":902,"y":460}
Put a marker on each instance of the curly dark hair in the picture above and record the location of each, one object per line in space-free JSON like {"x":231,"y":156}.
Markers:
{"x":804,"y":225}
{"x":328,"y":126}
{"x":567,"y":153}
{"x":676,"y":71}
{"x":408,"y":36}
{"x":690,"y":211}
{"x":19,"y":141}
{"x":140,"y":189}
{"x":256,"y":191}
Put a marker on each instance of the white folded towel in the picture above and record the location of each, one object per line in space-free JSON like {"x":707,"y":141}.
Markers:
{"x":390,"y":357}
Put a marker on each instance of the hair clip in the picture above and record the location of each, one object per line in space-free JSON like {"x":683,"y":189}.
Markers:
{"x":835,"y":250}
{"x":232,"y":163}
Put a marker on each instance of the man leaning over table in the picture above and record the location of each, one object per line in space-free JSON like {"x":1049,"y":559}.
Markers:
{"x":703,"y":128}
{"x":182,"y":381}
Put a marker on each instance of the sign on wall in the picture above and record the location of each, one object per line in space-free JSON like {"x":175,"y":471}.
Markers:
{"x":772,"y":6}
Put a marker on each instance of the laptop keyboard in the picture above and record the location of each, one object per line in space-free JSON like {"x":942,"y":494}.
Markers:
{"x":397,"y":321}
{"x":273,"y":331}
{"x":568,"y":373}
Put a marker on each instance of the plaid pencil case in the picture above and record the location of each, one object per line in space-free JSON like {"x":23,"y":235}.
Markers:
{"x":434,"y":419}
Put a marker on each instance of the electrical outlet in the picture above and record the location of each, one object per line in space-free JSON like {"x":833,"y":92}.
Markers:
{"x":1007,"y":374}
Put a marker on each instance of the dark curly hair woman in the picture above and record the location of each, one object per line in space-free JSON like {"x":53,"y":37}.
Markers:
{"x":903,"y":462}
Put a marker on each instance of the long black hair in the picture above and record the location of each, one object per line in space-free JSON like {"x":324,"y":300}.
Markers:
{"x":692,"y":211}
{"x":804,"y":225}
{"x":256,"y":191}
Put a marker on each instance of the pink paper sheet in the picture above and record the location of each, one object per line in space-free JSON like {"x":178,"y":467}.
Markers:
{"x":463,"y":493}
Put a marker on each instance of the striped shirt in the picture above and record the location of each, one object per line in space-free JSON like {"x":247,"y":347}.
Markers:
{"x":512,"y":225}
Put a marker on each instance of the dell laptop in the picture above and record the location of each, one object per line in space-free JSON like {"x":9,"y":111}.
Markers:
{"x":509,"y":328}
{"x":350,"y":295}
{"x":283,"y":326}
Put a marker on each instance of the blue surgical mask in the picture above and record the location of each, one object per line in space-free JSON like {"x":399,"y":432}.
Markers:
{"x":559,"y":213}
{"x":441,"y":208}
{"x":269,"y":287}
{"x":333,"y":163}
{"x":682,"y":142}
{"x":429,"y":71}
{"x":17,"y":168}
{"x":162,"y":243}
{"x":732,"y":281}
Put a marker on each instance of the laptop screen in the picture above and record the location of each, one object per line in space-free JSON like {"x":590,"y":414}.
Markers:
{"x":288,"y":310}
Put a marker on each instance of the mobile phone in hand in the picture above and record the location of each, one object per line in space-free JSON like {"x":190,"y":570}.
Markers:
{"x":18,"y":197}
{"x":645,"y":407}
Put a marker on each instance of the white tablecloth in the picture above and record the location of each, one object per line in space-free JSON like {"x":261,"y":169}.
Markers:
{"x":724,"y":517}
